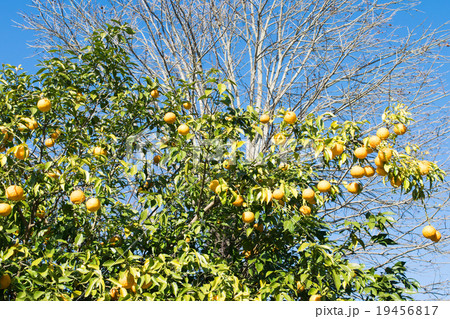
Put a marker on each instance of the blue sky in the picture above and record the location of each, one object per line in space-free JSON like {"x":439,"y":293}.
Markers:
{"x":15,"y":50}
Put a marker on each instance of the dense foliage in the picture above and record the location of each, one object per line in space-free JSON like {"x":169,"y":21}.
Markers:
{"x":170,"y":225}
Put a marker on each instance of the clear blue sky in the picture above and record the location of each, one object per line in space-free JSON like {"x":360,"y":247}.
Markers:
{"x":14,"y":42}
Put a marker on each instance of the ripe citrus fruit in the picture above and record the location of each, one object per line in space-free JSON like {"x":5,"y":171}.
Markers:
{"x":126,"y":280}
{"x":290,"y":117}
{"x":14,"y":193}
{"x":264,"y":118}
{"x":98,"y":150}
{"x":354,"y":188}
{"x":49,"y":142}
{"x":20,"y":152}
{"x":378,"y":162}
{"x":305,"y":210}
{"x":183,"y":129}
{"x":396,"y":182}
{"x":5,"y":209}
{"x":424,"y":167}
{"x":308,"y":194}
{"x":278,"y":194}
{"x":213,"y":185}
{"x":361,"y":152}
{"x":337,"y":149}
{"x":114,"y":293}
{"x":93,"y":204}
{"x":259,"y":227}
{"x":170,"y":118}
{"x":369,"y":171}
{"x":429,"y":232}
{"x":21,"y":127}
{"x":32,"y":125}
{"x":357,"y":171}
{"x":374,"y":141}
{"x":5,"y":281}
{"x":248,"y":217}
{"x":436,"y":237}
{"x":279,"y":139}
{"x":156,"y":159}
{"x":324,"y":186}
{"x":44,"y":105}
{"x":154,"y":94}
{"x":77,"y":197}
{"x":385,"y":154}
{"x":383,"y":133}
{"x":187,"y":105}
{"x":300,"y":286}
{"x":399,"y":129}
{"x":55,"y":134}
{"x":380,"y":171}
{"x":315,"y":298}
{"x":239,"y":201}
{"x":226,"y":164}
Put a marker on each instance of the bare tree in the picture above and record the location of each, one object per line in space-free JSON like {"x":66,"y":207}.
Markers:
{"x":340,"y":56}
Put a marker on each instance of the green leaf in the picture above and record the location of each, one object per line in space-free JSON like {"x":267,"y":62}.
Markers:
{"x":79,"y":239}
{"x":221,"y":87}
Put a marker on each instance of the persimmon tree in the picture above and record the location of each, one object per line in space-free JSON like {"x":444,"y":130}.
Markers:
{"x":139,"y":195}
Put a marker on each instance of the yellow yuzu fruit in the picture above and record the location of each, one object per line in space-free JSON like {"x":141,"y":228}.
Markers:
{"x":170,"y":118}
{"x":354,"y":188}
{"x":183,"y":129}
{"x":14,"y":193}
{"x":374,"y":141}
{"x":369,"y":171}
{"x":21,"y":152}
{"x":98,"y":150}
{"x":396,"y":182}
{"x":238,"y":201}
{"x":308,"y":194}
{"x":5,"y":281}
{"x":424,"y":167}
{"x":154,"y":93}
{"x":49,"y":142}
{"x":44,"y":105}
{"x":264,"y":118}
{"x":357,"y":171}
{"x":436,"y":237}
{"x":187,"y":105}
{"x":290,"y":117}
{"x":213,"y":185}
{"x":378,"y":162}
{"x":93,"y":204}
{"x":400,"y":129}
{"x":259,"y":227}
{"x":5,"y":209}
{"x":278,"y":194}
{"x":337,"y":150}
{"x":248,"y":217}
{"x":305,"y":210}
{"x":360,"y":152}
{"x":32,"y":125}
{"x":279,"y":139}
{"x":380,"y":171}
{"x":385,"y":154}
{"x":324,"y":186}
{"x":429,"y":232}
{"x":77,"y":196}
{"x":383,"y":133}
{"x":126,"y":280}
